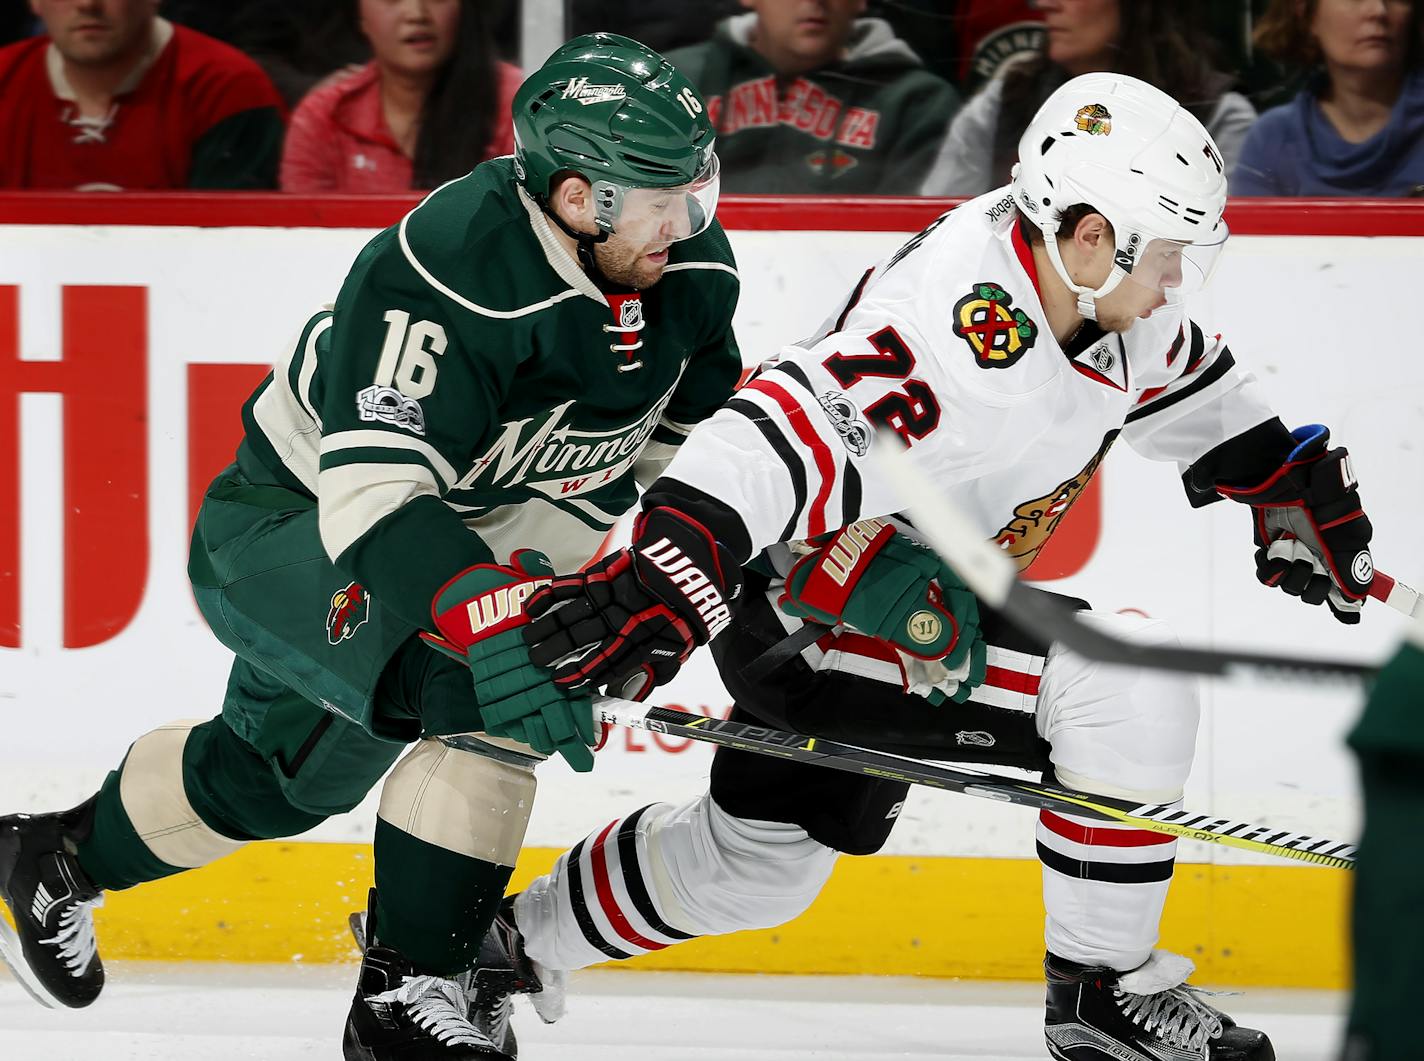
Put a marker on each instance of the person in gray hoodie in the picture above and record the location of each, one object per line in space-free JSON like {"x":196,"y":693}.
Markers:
{"x":807,"y":96}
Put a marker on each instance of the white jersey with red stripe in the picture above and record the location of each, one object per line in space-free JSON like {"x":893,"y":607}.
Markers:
{"x":946,"y":344}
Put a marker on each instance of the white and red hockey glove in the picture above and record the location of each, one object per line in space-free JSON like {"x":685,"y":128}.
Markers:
{"x":1312,"y":534}
{"x":629,"y":622}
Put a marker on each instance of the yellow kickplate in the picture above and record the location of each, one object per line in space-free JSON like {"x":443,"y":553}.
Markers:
{"x":890,"y":915}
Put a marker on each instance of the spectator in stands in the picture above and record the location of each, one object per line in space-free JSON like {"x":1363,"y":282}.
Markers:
{"x":807,"y":96}
{"x":1154,"y":40}
{"x":660,"y":24}
{"x":1357,"y":127}
{"x":993,"y":33}
{"x":431,"y":105}
{"x":297,"y":42}
{"x":114,"y":97}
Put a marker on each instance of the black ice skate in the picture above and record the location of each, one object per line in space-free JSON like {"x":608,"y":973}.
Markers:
{"x":52,"y":948}
{"x":1148,"y":1014}
{"x":401,"y":1014}
{"x":505,"y":970}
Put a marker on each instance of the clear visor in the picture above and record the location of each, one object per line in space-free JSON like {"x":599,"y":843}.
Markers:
{"x":660,"y":216}
{"x":1168,"y":268}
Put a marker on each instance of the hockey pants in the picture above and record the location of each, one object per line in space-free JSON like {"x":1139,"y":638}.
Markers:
{"x":666,"y":873}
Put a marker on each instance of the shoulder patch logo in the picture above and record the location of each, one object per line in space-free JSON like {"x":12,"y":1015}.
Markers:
{"x":1094,"y":119}
{"x":997,"y":333}
{"x":389,"y":406}
{"x":350,"y":608}
{"x":845,"y":418}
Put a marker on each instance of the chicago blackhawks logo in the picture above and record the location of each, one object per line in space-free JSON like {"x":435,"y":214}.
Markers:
{"x":1034,"y":522}
{"x":350,"y":608}
{"x":997,"y":333}
{"x":1094,"y":119}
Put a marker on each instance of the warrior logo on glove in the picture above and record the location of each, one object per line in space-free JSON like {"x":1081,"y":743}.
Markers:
{"x":696,"y":587}
{"x":629,"y":621}
{"x":501,"y":608}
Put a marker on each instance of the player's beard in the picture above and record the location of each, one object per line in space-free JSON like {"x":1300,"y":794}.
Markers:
{"x":623,"y":263}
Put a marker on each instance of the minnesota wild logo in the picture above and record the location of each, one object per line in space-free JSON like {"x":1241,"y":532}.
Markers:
{"x":997,"y":333}
{"x":1094,"y":119}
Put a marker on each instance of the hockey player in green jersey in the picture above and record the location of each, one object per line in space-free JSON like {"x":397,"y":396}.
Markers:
{"x":1388,"y":900}
{"x":498,"y":372}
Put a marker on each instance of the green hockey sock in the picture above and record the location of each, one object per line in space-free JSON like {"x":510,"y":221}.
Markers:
{"x":113,"y":855}
{"x":433,"y":905}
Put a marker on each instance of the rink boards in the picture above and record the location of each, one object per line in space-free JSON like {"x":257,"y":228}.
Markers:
{"x":132,"y":328}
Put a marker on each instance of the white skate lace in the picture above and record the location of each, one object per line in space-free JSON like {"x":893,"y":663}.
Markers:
{"x":1177,"y":1016}
{"x":437,"y":1006}
{"x":75,"y":939}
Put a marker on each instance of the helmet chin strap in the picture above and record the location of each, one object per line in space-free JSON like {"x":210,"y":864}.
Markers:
{"x":1087,"y":296}
{"x":585,"y":242}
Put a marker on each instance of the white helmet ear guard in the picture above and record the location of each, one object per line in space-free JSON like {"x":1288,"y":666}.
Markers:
{"x":1141,"y":160}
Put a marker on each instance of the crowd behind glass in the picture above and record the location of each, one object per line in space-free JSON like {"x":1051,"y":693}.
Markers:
{"x":851,"y":97}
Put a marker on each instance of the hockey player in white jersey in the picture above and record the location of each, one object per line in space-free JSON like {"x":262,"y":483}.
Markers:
{"x":1009,"y":344}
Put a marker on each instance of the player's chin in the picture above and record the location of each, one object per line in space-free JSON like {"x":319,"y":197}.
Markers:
{"x":650,"y":268}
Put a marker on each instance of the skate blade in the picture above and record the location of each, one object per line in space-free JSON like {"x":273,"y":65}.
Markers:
{"x":12,"y":952}
{"x":357,"y":923}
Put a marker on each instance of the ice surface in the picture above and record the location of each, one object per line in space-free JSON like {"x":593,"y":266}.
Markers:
{"x":160,"y":1012}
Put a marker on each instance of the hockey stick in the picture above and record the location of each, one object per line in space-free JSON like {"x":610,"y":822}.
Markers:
{"x":1159,"y":818}
{"x":792,"y":644}
{"x":993,"y":577}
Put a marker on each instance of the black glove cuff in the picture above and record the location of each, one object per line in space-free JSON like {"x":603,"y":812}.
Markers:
{"x":684,"y":566}
{"x":722,"y":523}
{"x":1241,"y":461}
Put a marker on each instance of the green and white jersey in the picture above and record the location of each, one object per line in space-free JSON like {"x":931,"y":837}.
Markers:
{"x":473,"y":392}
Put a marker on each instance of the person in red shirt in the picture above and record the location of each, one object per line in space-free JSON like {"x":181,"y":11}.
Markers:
{"x":431,"y":105}
{"x":113,"y":97}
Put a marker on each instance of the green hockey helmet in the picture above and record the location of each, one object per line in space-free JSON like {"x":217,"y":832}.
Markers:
{"x":622,"y":117}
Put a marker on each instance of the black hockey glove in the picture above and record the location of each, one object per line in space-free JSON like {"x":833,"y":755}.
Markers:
{"x":629,"y":622}
{"x":1312,"y":534}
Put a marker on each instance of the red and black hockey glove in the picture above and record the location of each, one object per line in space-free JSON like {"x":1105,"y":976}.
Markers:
{"x":1312,"y":534}
{"x":629,"y":622}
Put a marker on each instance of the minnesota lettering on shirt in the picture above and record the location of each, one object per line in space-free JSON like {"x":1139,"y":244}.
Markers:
{"x":805,"y":106}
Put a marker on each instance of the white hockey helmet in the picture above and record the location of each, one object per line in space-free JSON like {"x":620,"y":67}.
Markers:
{"x":1139,"y":158}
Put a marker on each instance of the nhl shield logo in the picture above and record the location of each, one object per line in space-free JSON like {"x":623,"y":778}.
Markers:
{"x":350,"y":608}
{"x":627,"y":324}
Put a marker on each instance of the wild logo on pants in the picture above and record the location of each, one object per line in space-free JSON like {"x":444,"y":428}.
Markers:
{"x":350,"y":608}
